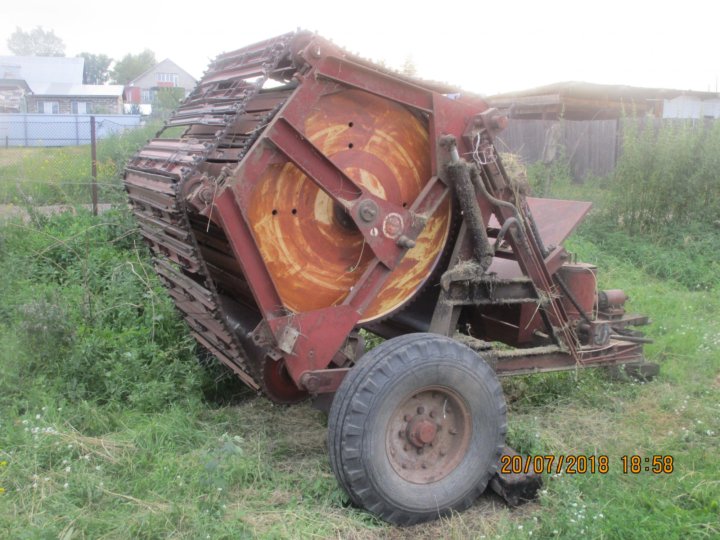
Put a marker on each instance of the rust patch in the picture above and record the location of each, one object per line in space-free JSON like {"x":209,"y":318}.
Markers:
{"x":314,"y":257}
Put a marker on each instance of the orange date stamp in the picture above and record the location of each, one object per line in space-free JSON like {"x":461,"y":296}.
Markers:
{"x":584,"y":464}
{"x":554,"y":464}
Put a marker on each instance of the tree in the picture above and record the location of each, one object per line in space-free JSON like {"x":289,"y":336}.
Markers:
{"x":96,"y":69}
{"x":166,"y":101}
{"x":408,"y":67}
{"x":36,"y":42}
{"x":132,"y":65}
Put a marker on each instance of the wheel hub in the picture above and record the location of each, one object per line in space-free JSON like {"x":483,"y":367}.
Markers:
{"x":421,"y":432}
{"x":428,"y":435}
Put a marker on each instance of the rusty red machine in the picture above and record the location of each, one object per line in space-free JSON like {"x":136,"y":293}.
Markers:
{"x":301,"y":195}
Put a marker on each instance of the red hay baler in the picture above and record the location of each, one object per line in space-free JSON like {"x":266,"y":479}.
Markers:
{"x":301,"y":196}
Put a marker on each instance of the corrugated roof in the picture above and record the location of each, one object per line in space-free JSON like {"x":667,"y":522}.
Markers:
{"x":605,"y":91}
{"x":42,"y":69}
{"x":85,"y":90}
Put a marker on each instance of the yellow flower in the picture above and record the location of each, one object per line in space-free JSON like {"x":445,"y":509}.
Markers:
{"x":2,"y":490}
{"x":3,"y":463}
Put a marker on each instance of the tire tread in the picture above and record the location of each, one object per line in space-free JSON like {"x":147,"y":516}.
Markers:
{"x":354,"y":400}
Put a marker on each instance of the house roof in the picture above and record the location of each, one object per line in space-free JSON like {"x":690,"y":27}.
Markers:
{"x":79,"y":90}
{"x":42,"y":69}
{"x":166,"y":61}
{"x":586,"y":90}
{"x":14,"y":83}
{"x":585,"y":101}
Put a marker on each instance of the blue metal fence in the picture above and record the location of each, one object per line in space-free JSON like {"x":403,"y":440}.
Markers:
{"x":60,"y":129}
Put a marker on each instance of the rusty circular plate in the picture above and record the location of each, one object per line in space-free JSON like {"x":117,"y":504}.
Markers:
{"x":428,"y":434}
{"x":312,"y":250}
{"x":278,"y":384}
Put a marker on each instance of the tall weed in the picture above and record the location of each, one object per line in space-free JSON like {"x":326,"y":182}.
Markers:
{"x":660,"y":210}
{"x":47,"y":176}
{"x":666,"y":176}
{"x":88,"y":316}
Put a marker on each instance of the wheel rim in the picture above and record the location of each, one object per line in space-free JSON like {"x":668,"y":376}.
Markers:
{"x":428,"y":434}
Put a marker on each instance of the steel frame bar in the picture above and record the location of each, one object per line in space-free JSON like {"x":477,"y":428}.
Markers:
{"x":358,"y":76}
{"x":333,"y":181}
{"x":328,"y":380}
{"x":615,"y":353}
{"x":247,"y":254}
{"x":321,"y":333}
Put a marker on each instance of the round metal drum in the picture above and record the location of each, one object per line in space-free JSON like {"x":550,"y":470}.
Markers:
{"x":312,"y":249}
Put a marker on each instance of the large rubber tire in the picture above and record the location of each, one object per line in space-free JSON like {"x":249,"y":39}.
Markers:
{"x":364,"y":419}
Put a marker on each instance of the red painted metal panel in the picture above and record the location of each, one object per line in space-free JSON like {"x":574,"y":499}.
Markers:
{"x":246,"y":253}
{"x":555,"y":219}
{"x":321,"y":334}
{"x":287,"y":138}
{"x":375,"y":82}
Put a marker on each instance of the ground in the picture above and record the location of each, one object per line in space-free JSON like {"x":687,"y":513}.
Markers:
{"x":111,"y":427}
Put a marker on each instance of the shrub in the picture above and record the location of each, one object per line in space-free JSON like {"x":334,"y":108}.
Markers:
{"x":89,"y":316}
{"x":666,"y":176}
{"x":664,"y":193}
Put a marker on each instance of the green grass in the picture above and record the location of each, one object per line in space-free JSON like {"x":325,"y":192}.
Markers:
{"x":675,"y":415}
{"x":110,"y":427}
{"x":47,"y":176}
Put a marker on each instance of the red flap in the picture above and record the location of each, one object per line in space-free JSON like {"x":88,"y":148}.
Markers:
{"x":555,"y":219}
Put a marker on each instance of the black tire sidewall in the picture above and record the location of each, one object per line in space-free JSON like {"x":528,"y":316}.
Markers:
{"x":423,"y":362}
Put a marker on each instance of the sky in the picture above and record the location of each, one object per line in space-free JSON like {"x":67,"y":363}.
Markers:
{"x":484,"y":47}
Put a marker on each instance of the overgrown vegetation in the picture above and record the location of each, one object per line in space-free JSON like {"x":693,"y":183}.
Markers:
{"x":661,"y":208}
{"x":48,"y":176}
{"x":667,"y":177}
{"x":111,"y":428}
{"x":109,"y":424}
{"x":89,"y":317}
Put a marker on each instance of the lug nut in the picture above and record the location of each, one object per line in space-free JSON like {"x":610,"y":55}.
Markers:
{"x":401,"y":433}
{"x":419,"y":451}
{"x":432,"y":414}
{"x":407,"y":417}
{"x":421,"y":410}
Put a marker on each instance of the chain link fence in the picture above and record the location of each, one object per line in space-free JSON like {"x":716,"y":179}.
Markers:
{"x":47,"y":160}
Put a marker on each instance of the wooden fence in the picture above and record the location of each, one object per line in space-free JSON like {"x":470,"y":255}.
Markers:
{"x":591,"y":146}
